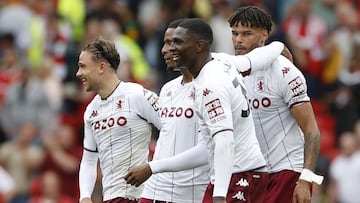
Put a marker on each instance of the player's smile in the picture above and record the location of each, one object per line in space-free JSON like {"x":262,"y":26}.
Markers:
{"x":83,"y":81}
{"x":175,"y":57}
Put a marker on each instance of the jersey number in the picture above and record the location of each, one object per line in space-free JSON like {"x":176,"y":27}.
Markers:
{"x":244,"y":113}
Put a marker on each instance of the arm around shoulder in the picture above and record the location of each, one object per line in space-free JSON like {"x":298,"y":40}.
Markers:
{"x":262,"y":57}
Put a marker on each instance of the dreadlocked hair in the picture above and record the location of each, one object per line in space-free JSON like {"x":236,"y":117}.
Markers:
{"x":251,"y":16}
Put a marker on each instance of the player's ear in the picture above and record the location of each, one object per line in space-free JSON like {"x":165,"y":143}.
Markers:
{"x":264,"y":36}
{"x":201,"y":44}
{"x":102,"y":66}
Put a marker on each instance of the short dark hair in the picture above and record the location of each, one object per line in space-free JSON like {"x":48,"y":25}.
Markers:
{"x":251,"y":16}
{"x":176,"y":22}
{"x":103,"y":49}
{"x":198,"y":28}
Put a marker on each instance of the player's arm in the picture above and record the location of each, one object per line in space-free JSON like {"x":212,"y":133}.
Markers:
{"x":295,"y":94}
{"x":223,"y":163}
{"x":305,"y":117}
{"x":87,"y":175}
{"x":260,"y":57}
{"x":286,"y":52}
{"x":191,"y":158}
{"x":88,"y":165}
{"x":216,"y":113}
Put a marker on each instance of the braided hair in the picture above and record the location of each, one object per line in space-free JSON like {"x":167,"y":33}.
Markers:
{"x":251,"y":16}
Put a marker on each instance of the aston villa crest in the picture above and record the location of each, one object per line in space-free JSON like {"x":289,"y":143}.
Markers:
{"x":260,"y":84}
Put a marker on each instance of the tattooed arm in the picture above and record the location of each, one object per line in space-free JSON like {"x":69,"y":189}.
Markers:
{"x":305,"y":117}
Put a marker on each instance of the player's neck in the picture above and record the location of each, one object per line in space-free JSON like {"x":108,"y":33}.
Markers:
{"x":187,"y":77}
{"x":109,"y":87}
{"x":200,"y":64}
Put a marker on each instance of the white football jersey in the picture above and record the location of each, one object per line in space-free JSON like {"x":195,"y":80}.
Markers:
{"x":119,"y":129}
{"x":221,"y":105}
{"x":179,"y":133}
{"x":271,"y":93}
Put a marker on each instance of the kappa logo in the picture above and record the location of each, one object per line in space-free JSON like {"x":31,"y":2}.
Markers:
{"x":206,"y":92}
{"x":243,"y":182}
{"x":192,"y":95}
{"x":285,"y":71}
{"x":239,"y":196}
{"x":94,"y":114}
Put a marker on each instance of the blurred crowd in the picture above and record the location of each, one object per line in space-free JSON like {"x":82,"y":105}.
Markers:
{"x":42,"y":102}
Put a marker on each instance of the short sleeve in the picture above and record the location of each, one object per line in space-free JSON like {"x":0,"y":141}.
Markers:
{"x":215,"y":106}
{"x":292,"y":83}
{"x":148,"y":106}
{"x":89,"y":140}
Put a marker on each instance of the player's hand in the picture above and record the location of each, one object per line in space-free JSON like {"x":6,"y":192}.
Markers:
{"x":302,"y":192}
{"x":219,"y":200}
{"x":138,"y":174}
{"x":286,"y":52}
{"x":86,"y":200}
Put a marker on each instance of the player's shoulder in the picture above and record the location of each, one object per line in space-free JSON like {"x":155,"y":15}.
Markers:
{"x":284,"y":68}
{"x":219,"y":55}
{"x":141,"y":94}
{"x":95,"y":101}
{"x":135,"y":90}
{"x":218,"y":66}
{"x":224,"y":58}
{"x":92,"y":105}
{"x":218,"y":73}
{"x":173,"y":82}
{"x":215,"y":70}
{"x":131,"y":87}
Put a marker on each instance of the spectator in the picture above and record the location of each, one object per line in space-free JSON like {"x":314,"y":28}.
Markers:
{"x":7,"y":186}
{"x":306,"y":34}
{"x":219,"y":21}
{"x":63,"y":155}
{"x":26,"y":101}
{"x":344,"y":171}
{"x":15,"y":17}
{"x":51,"y":83}
{"x":22,"y":159}
{"x":9,"y":64}
{"x":50,"y":190}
